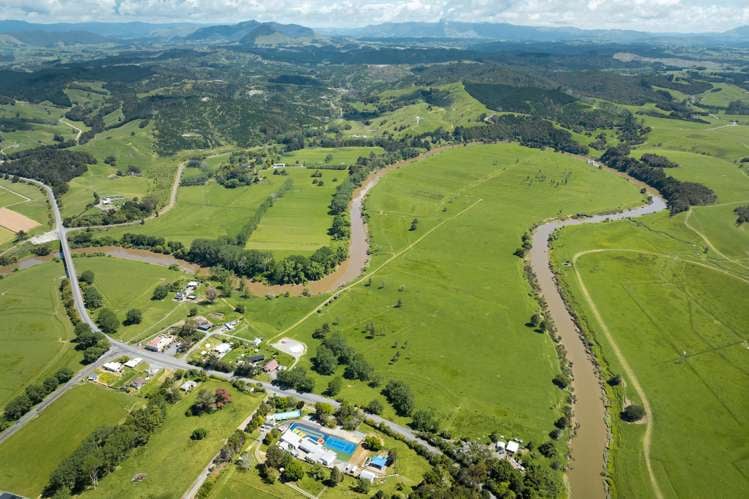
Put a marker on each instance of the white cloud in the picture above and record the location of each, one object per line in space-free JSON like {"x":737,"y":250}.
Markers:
{"x":651,"y":15}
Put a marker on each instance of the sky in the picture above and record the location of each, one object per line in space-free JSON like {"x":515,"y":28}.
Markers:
{"x":645,"y":15}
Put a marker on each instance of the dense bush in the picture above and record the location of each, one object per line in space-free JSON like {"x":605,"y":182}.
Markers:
{"x":54,"y":167}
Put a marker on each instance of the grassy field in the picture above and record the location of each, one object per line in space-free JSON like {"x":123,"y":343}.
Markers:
{"x":472,"y":358}
{"x":130,"y":145}
{"x":298,"y":222}
{"x":35,"y":331}
{"x":6,"y":236}
{"x":408,"y":471}
{"x":26,"y":200}
{"x":676,"y":314}
{"x":316,"y":156}
{"x":414,"y":119}
{"x":126,"y":284}
{"x":46,"y":123}
{"x":725,"y":96}
{"x":170,"y":460}
{"x":207,"y":211}
{"x":32,"y":454}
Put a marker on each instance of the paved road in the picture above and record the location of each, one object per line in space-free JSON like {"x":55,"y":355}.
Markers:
{"x":160,"y":359}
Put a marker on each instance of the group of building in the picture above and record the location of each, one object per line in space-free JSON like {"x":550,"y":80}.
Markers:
{"x":189,"y":293}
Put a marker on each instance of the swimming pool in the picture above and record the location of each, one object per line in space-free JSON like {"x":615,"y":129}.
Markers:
{"x":342,"y":447}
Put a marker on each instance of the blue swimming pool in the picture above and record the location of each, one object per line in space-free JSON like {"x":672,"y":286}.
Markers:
{"x":344,"y":448}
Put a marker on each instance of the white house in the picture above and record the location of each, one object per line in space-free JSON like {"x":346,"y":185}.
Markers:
{"x":159,"y":343}
{"x":188,"y":386}
{"x":256,"y":342}
{"x":222,"y":348}
{"x":278,"y":166}
{"x":114,"y":367}
{"x":513,"y":446}
{"x":133,"y":362}
{"x":367,"y":475}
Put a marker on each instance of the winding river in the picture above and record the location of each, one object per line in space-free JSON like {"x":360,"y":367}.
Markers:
{"x":588,"y":446}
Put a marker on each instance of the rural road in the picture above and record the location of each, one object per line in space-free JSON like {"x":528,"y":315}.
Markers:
{"x":588,"y":445}
{"x":160,"y":359}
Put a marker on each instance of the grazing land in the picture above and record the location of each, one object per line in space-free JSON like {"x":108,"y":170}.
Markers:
{"x":31,"y":455}
{"x":471,"y":358}
{"x":298,"y":222}
{"x":171,"y":460}
{"x":25,"y":199}
{"x":329,"y":156}
{"x":35,"y":331}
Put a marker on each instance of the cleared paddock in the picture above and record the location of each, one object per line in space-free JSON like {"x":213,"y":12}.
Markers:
{"x":16,"y":222}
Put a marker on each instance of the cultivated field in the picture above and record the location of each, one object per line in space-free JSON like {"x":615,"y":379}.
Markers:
{"x":26,"y":200}
{"x":35,"y":331}
{"x":471,"y":358}
{"x":171,"y":460}
{"x":32,"y":454}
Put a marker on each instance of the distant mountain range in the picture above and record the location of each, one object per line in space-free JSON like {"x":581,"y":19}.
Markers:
{"x":517,"y":33}
{"x":257,"y":33}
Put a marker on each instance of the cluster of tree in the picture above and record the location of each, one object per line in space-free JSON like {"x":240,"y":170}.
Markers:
{"x":679,"y":195}
{"x":400,"y":397}
{"x":131,"y":210}
{"x":14,"y":124}
{"x":528,"y":100}
{"x":276,"y":459}
{"x":249,"y":227}
{"x":528,"y":130}
{"x":35,"y":393}
{"x":53,"y":166}
{"x":334,"y":351}
{"x":657,"y":161}
{"x":737,"y":107}
{"x":208,"y":403}
{"x":104,"y":449}
{"x":742,"y":214}
{"x":92,"y":343}
{"x":296,"y":378}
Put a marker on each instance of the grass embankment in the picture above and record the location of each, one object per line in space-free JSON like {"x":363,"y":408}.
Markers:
{"x":171,"y":461}
{"x":31,"y":455}
{"x":35,"y":332}
{"x":129,"y":145}
{"x":298,"y":222}
{"x":126,"y":284}
{"x":471,"y":358}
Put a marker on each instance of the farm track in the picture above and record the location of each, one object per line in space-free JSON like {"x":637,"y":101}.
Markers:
{"x":707,"y":241}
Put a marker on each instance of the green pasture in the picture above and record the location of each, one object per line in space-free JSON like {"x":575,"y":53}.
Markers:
{"x":340,"y":156}
{"x":30,"y":456}
{"x":421,"y":117}
{"x":130,"y":145}
{"x":27,"y":200}
{"x":127,"y":284}
{"x":207,"y":211}
{"x":6,"y":235}
{"x":46,"y":123}
{"x":170,"y":460}
{"x":676,"y":313}
{"x":35,"y":331}
{"x":298,"y":222}
{"x":471,"y":357}
{"x":725,"y":96}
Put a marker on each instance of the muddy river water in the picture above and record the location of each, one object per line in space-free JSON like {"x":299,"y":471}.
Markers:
{"x":588,"y":446}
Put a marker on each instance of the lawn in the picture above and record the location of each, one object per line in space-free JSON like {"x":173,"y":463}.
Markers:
{"x":298,"y":222}
{"x":207,"y":211}
{"x":471,"y":358}
{"x":35,"y":331}
{"x":127,"y":284}
{"x":171,"y":461}
{"x":130,"y":145}
{"x":31,"y":455}
{"x":338,"y":156}
{"x":725,"y":96}
{"x":678,"y":318}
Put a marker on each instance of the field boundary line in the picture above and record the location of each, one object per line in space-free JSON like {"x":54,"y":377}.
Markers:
{"x":369,"y":274}
{"x":26,"y":198}
{"x":629,"y":372}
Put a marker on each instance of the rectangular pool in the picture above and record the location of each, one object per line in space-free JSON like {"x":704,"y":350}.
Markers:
{"x":342,"y":447}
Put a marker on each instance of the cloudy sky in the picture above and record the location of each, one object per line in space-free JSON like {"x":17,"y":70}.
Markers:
{"x":650,"y":15}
